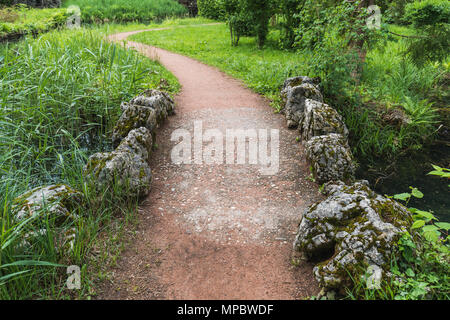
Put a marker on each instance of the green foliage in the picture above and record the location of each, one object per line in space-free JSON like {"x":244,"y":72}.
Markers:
{"x":428,"y":13}
{"x":60,"y":97}
{"x":420,"y":269}
{"x":291,"y":13}
{"x":394,"y":11}
{"x":212,"y":9}
{"x":122,"y":11}
{"x":432,"y":20}
{"x":20,"y":20}
{"x":238,"y":20}
{"x":259,"y":12}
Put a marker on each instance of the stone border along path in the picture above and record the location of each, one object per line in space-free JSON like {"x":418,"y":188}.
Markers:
{"x":216,"y":231}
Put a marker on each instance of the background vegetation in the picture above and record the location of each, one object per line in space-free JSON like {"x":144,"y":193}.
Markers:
{"x":60,"y":94}
{"x":123,"y":11}
{"x":18,"y":21}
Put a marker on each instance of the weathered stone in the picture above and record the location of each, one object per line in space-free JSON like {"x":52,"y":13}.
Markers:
{"x":320,"y":119}
{"x":125,"y":168}
{"x":55,"y":201}
{"x":138,"y":142}
{"x":158,"y":100}
{"x":350,"y":231}
{"x":297,"y":81}
{"x":146,"y":110}
{"x":295,"y":102}
{"x":134,"y":117}
{"x":330,"y":157}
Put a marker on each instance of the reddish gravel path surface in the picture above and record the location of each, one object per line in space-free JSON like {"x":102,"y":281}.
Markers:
{"x":216,"y":231}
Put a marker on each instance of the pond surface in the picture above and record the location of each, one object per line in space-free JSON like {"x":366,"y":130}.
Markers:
{"x":413,"y":172}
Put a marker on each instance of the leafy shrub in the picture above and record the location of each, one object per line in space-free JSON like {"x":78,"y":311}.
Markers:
{"x":212,"y":9}
{"x":23,"y":20}
{"x":431,"y":18}
{"x":291,"y":11}
{"x":259,"y":12}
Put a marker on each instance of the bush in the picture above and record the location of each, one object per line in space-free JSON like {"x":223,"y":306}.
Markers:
{"x":428,"y":13}
{"x":259,"y":11}
{"x":431,"y":18}
{"x":212,"y":9}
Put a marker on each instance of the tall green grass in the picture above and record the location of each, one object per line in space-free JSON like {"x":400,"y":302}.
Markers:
{"x":59,"y":98}
{"x":120,"y":11}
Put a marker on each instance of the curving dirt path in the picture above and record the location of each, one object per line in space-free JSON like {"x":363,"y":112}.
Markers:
{"x":216,"y":231}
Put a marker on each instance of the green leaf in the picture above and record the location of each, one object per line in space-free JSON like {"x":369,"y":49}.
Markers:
{"x":436,"y":167}
{"x":425,"y":214}
{"x":410,"y":273}
{"x":416,"y":193}
{"x":443,"y":225}
{"x":418,"y":224}
{"x":31,"y":263}
{"x":402,"y":196}
{"x":432,"y":236}
{"x":430,"y":228}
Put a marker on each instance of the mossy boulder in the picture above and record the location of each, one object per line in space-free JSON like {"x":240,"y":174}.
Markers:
{"x":297,"y":81}
{"x":330,"y":157}
{"x":138,"y":142}
{"x":321,"y":119}
{"x":350,"y":231}
{"x":158,"y":100}
{"x":146,"y":110}
{"x":55,"y":201}
{"x":295,"y":97}
{"x":59,"y":205}
{"x":126,"y":168}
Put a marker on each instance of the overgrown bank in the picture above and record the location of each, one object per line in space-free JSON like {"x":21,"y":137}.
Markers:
{"x":61,"y":95}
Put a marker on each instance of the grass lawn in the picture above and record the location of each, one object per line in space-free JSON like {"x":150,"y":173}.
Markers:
{"x":264,"y":71}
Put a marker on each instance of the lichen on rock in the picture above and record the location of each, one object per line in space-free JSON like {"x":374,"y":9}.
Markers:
{"x":146,"y":110}
{"x":56,"y":201}
{"x":125,"y":168}
{"x":134,"y":117}
{"x":330,"y":158}
{"x":295,"y":98}
{"x":353,"y":229}
{"x":57,"y":204}
{"x":321,"y":119}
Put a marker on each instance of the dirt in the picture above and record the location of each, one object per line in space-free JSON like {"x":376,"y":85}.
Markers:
{"x":222,"y":231}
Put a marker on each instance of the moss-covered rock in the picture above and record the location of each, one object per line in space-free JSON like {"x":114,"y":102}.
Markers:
{"x":320,"y":119}
{"x":146,"y":110}
{"x":353,"y":229}
{"x":126,"y":168}
{"x":295,"y":97}
{"x":138,"y":142}
{"x":56,"y":204}
{"x":56,"y":201}
{"x":330,"y":157}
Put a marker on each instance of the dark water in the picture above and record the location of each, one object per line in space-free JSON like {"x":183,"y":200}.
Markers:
{"x":413,"y":171}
